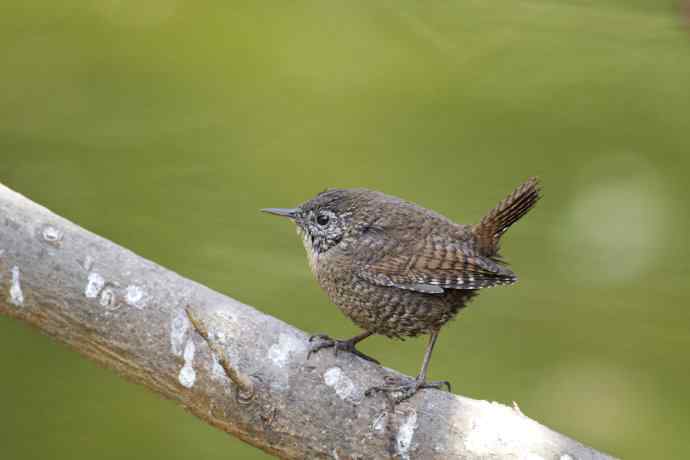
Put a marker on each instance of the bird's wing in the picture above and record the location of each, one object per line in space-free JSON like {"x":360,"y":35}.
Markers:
{"x":431,"y":266}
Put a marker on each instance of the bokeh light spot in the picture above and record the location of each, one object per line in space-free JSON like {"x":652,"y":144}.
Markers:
{"x":614,"y":228}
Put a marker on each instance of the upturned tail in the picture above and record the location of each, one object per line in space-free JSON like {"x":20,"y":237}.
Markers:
{"x":488,"y":232}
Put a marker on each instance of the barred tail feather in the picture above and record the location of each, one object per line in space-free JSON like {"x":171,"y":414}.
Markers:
{"x":505,"y":214}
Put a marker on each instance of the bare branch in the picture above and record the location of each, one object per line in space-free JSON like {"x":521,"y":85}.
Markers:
{"x":232,"y":366}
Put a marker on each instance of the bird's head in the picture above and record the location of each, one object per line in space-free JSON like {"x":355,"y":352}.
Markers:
{"x":329,"y":218}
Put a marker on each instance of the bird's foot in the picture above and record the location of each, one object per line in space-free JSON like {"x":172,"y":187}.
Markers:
{"x":401,"y":388}
{"x":338,"y":345}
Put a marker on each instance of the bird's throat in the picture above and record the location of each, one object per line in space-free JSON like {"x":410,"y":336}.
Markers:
{"x":312,"y":255}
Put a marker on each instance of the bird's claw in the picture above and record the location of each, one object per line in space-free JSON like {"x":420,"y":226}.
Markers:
{"x":325,"y":342}
{"x":401,"y":389}
{"x":337,"y":345}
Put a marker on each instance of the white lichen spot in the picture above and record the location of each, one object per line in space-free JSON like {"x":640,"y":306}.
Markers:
{"x":220,"y":337}
{"x":94,"y":285}
{"x":189,"y":351}
{"x":403,"y":440}
{"x":51,"y":234}
{"x":108,"y":299}
{"x":135,"y":296}
{"x":280,"y":352}
{"x":178,"y":331}
{"x":16,"y":294}
{"x":379,"y":423}
{"x":187,"y":375}
{"x":2,"y":252}
{"x":341,"y":383}
{"x":566,"y":457}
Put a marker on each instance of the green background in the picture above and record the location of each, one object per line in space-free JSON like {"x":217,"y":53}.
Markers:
{"x":164,"y":125}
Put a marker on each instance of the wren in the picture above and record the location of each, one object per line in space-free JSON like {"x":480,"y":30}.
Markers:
{"x":398,"y":269}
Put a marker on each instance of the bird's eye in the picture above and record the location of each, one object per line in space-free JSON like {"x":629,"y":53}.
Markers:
{"x":322,"y":219}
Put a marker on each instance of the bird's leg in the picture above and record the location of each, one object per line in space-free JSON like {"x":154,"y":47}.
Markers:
{"x":407,"y":388}
{"x":340,"y":345}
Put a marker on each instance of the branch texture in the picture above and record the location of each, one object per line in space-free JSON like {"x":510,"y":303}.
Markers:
{"x":231,"y":365}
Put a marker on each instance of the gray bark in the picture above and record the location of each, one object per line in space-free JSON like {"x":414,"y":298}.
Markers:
{"x":232,"y":366}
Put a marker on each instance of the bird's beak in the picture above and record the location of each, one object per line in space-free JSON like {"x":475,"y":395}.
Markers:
{"x":283,"y":212}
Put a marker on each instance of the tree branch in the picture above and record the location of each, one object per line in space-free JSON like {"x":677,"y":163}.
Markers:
{"x":229,"y":364}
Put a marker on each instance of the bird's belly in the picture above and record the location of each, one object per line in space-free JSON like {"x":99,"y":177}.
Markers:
{"x":395,"y":312}
{"x":389,"y":311}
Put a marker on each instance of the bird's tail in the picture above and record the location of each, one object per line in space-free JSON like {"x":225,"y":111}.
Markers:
{"x":506,"y":213}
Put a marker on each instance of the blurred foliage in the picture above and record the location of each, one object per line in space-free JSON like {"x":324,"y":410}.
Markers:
{"x":164,"y":125}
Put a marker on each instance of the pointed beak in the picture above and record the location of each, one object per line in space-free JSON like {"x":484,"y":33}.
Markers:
{"x":283,"y":212}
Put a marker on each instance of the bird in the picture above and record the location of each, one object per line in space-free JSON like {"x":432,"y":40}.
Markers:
{"x":398,"y":269}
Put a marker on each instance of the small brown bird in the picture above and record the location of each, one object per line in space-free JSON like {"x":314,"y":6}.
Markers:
{"x":398,"y":269}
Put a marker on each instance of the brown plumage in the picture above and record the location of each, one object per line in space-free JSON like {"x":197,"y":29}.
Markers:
{"x":398,"y":269}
